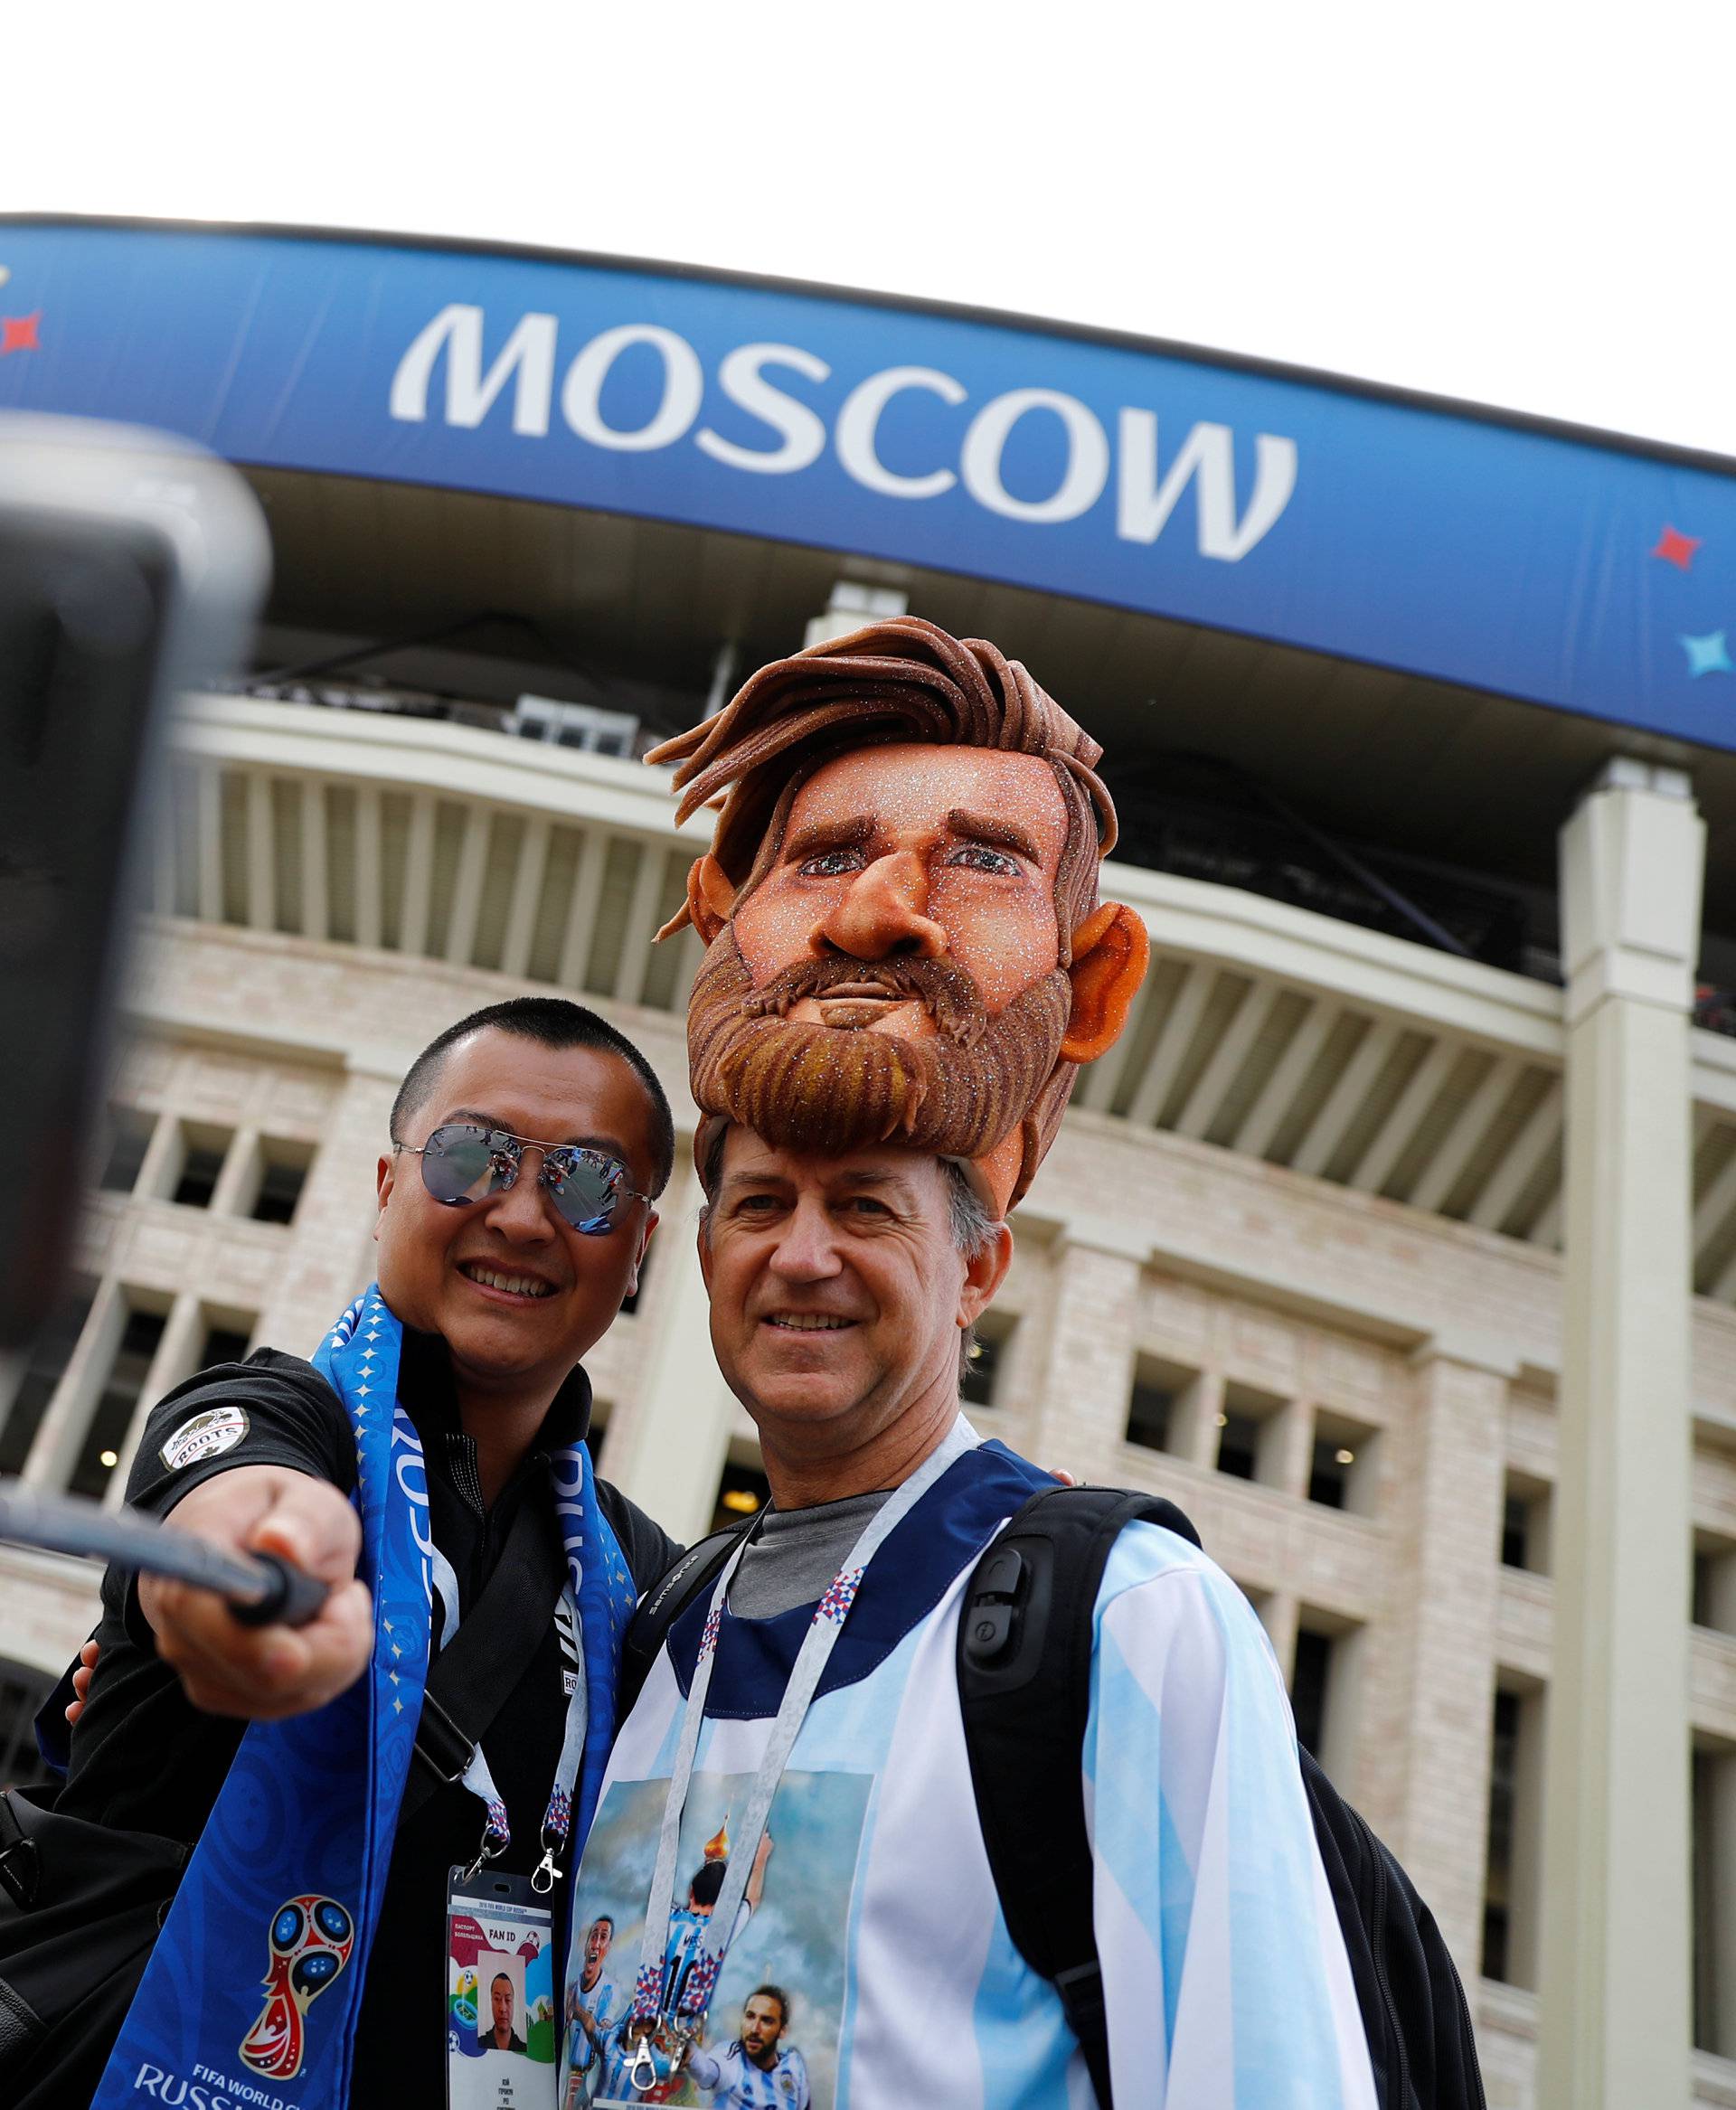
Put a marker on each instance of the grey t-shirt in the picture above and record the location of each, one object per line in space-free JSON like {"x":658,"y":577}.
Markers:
{"x":796,"y":1552}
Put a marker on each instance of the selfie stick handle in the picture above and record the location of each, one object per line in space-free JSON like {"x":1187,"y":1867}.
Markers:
{"x":259,"y":1588}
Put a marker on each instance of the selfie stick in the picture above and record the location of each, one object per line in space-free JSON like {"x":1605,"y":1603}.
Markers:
{"x":260,"y":1589}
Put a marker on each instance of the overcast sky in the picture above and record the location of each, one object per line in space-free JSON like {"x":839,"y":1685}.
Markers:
{"x":1521,"y":203}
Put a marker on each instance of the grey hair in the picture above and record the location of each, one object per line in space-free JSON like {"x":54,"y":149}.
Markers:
{"x":972,"y":1224}
{"x":968,"y":1217}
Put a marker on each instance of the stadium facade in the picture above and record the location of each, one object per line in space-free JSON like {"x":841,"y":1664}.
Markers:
{"x":1396,"y":1240}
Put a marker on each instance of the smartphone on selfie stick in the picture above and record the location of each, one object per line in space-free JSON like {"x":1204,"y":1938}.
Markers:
{"x":132,"y":566}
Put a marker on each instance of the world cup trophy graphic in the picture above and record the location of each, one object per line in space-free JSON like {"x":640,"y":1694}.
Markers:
{"x":311,"y":1940}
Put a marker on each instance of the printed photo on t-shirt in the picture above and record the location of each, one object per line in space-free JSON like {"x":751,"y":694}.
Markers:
{"x":772,"y":2032}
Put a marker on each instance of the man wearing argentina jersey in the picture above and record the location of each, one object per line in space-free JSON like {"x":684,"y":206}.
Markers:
{"x":592,"y":2008}
{"x":752,"y":2073}
{"x":906,"y":963}
{"x":839,"y":1287}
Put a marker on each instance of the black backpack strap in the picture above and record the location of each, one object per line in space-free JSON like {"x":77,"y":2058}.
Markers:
{"x":663,"y":1602}
{"x":471,"y":1679}
{"x":1024,"y":1675}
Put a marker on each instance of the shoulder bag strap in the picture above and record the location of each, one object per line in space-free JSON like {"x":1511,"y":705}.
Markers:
{"x":470,"y":1680}
{"x":663,"y":1602}
{"x":1024,"y":1672}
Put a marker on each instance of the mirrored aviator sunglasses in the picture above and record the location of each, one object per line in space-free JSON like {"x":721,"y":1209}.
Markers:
{"x":464,"y":1163}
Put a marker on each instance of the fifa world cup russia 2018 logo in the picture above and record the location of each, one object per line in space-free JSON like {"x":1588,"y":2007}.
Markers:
{"x":311,"y":1940}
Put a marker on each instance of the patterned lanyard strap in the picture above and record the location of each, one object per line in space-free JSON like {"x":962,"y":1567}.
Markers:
{"x":557,"y":1819}
{"x":822,"y":1636}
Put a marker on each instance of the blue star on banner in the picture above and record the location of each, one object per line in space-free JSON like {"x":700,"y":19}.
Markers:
{"x":1707,"y":655}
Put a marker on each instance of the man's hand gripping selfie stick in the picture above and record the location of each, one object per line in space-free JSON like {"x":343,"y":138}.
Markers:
{"x":260,"y":1589}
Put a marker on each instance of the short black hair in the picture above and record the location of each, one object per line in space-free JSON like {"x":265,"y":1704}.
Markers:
{"x":708,"y":1880}
{"x":552,"y":1022}
{"x":501,"y":1978}
{"x":775,"y":1993}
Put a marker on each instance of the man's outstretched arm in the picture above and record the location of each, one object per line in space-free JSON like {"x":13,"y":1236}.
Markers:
{"x":263,"y":1674}
{"x":1225,"y":1972}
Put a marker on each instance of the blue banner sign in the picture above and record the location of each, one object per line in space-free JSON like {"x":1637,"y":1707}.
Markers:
{"x":1539,"y":566}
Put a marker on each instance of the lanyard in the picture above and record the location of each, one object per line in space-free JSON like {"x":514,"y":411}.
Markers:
{"x":697,"y":1982}
{"x":557,"y":1819}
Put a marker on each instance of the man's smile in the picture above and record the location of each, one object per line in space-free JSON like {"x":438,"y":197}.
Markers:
{"x":806,"y":1322}
{"x":502,"y":1282}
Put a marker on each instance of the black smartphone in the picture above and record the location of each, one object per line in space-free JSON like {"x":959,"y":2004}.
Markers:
{"x":131,"y":566}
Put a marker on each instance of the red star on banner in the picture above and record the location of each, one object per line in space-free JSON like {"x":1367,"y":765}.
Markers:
{"x":1677,"y":550}
{"x":18,"y":332}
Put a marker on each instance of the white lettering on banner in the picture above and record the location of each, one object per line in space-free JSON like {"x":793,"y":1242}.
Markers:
{"x":1208,"y":453}
{"x":409,"y":1457}
{"x":469,"y":392}
{"x":859,"y":428}
{"x":1143,"y":500}
{"x":743,"y":382}
{"x":1088,"y":457}
{"x":684,"y":387}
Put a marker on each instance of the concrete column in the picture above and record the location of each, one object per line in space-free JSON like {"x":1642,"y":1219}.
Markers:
{"x":1441,"y":1638}
{"x":329,"y":1249}
{"x":1081,"y":1418}
{"x":177,"y":1353}
{"x":1616,"y":1967}
{"x":60,"y":1437}
{"x":667,"y":1447}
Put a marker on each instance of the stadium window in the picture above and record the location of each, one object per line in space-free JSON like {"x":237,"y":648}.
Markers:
{"x":1525,"y":1524}
{"x":1310,"y":1684}
{"x":106,"y":1435}
{"x":130,"y":1129}
{"x":1325,"y":1676}
{"x":1510,"y":1883}
{"x":1157,"y":1401}
{"x":1247,"y":1430}
{"x":1713,"y":1602}
{"x":283,"y":1174}
{"x":1340,"y":1472}
{"x":44,"y":1367}
{"x":986,"y":1369}
{"x":224,"y":1343}
{"x":743,"y":1491}
{"x":1714,"y":1866}
{"x":21,"y":1692}
{"x":202,"y":1154}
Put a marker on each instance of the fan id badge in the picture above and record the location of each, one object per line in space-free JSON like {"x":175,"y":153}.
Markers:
{"x":500,"y":2035}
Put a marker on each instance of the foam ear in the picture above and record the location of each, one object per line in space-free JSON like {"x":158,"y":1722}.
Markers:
{"x":1110,"y":954}
{"x":709,"y":898}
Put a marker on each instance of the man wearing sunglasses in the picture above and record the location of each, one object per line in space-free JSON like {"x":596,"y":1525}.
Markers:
{"x":516,"y":1203}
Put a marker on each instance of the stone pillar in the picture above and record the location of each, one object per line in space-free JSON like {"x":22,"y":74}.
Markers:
{"x":177,"y":1355}
{"x":330,"y":1247}
{"x":1616,"y":1968}
{"x":666,"y":1444}
{"x":1441,"y":1642}
{"x":1087,"y":1367}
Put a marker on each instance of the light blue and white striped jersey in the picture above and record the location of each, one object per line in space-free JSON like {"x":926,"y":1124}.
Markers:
{"x":1225,"y":1976}
{"x":734,"y":2082}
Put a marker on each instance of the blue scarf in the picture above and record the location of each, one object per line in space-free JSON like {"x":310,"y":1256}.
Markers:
{"x":255,"y":1983}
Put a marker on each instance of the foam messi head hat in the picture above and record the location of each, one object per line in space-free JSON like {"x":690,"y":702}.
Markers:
{"x":899,"y":905}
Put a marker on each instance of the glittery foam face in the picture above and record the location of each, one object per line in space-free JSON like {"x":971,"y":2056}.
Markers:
{"x":830,"y":1088}
{"x":901,"y":763}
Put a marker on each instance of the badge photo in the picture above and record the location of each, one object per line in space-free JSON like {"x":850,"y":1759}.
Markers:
{"x":207,"y":1434}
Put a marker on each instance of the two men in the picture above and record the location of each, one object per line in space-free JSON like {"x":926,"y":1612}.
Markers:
{"x":906,"y":962}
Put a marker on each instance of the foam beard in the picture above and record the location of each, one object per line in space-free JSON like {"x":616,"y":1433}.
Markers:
{"x":834,"y":1088}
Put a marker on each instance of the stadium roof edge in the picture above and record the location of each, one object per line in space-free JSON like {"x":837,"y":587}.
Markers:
{"x":1590,"y":436}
